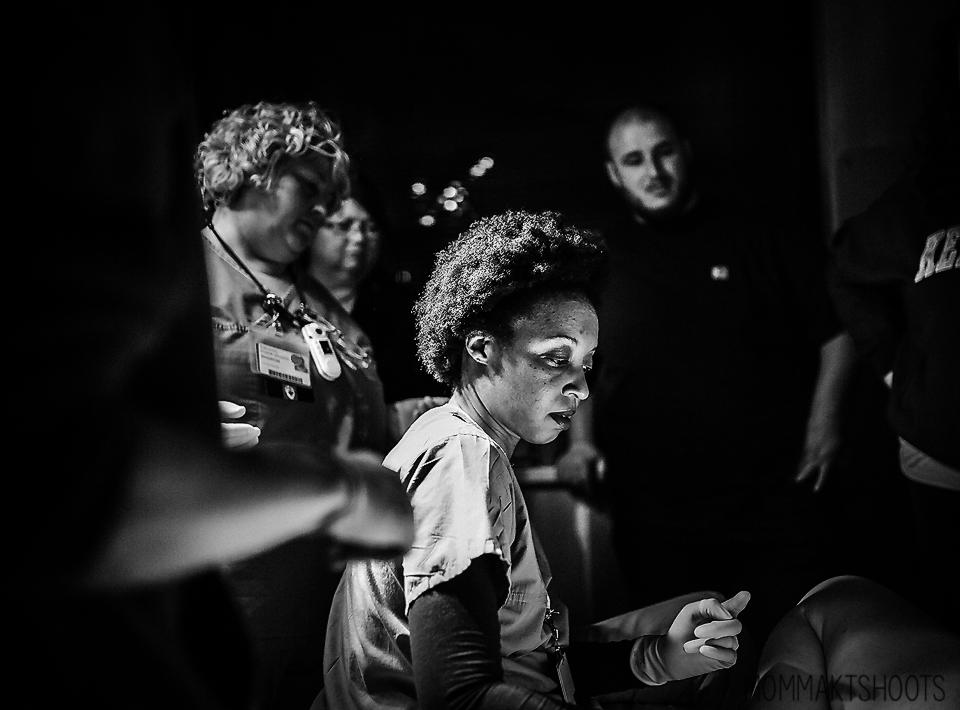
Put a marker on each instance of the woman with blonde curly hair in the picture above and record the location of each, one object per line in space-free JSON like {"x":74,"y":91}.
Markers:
{"x":294,"y":372}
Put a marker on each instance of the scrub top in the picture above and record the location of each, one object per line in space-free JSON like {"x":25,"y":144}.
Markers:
{"x":266,"y":366}
{"x":466,"y":503}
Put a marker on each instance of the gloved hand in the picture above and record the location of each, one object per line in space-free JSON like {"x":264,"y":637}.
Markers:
{"x":701,"y":639}
{"x":236,"y":436}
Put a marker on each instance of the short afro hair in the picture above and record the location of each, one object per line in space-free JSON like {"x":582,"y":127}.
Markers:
{"x":246,"y":146}
{"x":498,"y":266}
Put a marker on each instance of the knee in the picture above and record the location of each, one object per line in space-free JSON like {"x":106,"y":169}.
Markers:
{"x":839,"y":585}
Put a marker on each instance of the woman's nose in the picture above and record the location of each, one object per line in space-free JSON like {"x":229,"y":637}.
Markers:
{"x":579,"y":387}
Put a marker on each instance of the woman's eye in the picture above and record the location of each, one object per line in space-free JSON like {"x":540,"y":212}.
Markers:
{"x":556,"y":362}
{"x":587,"y":368}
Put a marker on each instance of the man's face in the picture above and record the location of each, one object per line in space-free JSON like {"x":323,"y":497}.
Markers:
{"x":648,"y":163}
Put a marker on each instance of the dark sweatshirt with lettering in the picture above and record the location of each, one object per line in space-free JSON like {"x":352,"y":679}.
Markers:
{"x":895,"y":279}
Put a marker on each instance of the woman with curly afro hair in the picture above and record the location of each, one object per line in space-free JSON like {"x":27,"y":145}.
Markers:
{"x":507,"y":320}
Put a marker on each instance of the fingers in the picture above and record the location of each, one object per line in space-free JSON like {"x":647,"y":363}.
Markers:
{"x":725,"y":656}
{"x":711,"y":609}
{"x":816,"y":463}
{"x":731,"y":642}
{"x":236,"y":436}
{"x":737,"y":603}
{"x":693,"y":645}
{"x":718,"y":629}
{"x":239,"y":437}
{"x":821,"y":476}
{"x":230,"y":410}
{"x":808,"y":464}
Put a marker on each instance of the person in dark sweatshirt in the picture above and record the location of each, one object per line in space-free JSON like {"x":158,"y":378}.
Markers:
{"x":895,"y":279}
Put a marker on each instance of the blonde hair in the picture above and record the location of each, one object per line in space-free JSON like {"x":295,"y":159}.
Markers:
{"x":245,"y":147}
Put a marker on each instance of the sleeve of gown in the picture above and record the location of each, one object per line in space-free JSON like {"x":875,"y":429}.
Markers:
{"x":455,"y":642}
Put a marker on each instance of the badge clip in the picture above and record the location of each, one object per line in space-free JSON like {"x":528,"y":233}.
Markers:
{"x":321,"y":350}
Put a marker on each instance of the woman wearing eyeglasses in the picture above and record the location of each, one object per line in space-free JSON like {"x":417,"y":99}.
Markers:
{"x":291,"y":363}
{"x":342,"y":255}
{"x":345,"y":250}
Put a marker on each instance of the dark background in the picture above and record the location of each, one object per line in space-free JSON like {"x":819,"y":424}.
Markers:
{"x":806,"y":110}
{"x":423,"y":100}
{"x":802,"y":111}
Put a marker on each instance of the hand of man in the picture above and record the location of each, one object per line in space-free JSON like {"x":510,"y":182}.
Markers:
{"x":701,"y":639}
{"x":236,"y":436}
{"x":819,"y":451}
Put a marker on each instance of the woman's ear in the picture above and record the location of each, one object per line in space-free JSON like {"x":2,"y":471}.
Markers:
{"x":479,"y":347}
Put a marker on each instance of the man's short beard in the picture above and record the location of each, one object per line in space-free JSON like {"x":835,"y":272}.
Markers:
{"x":664,"y":214}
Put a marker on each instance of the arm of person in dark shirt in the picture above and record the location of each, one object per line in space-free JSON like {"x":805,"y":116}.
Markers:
{"x":187,"y":506}
{"x":822,"y":438}
{"x":800,"y":260}
{"x":455,"y":643}
{"x":864,"y":275}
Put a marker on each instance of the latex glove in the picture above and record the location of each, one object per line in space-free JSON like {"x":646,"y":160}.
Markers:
{"x":819,"y":451}
{"x":701,"y":639}
{"x":407,"y":411}
{"x":237,"y":436}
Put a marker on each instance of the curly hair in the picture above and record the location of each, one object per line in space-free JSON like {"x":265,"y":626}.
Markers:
{"x":246,"y":146}
{"x":492,"y":272}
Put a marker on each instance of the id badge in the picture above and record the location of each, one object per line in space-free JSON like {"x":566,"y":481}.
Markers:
{"x":566,"y":679}
{"x":282,"y":357}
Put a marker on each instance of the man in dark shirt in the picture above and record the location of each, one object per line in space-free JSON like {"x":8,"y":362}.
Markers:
{"x":718,"y":384}
{"x":895,"y":279}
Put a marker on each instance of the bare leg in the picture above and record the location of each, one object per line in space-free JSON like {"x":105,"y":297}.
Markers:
{"x":856,"y":643}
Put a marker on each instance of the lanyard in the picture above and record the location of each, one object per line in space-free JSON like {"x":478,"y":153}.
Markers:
{"x":273,"y":304}
{"x":559,"y":656}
